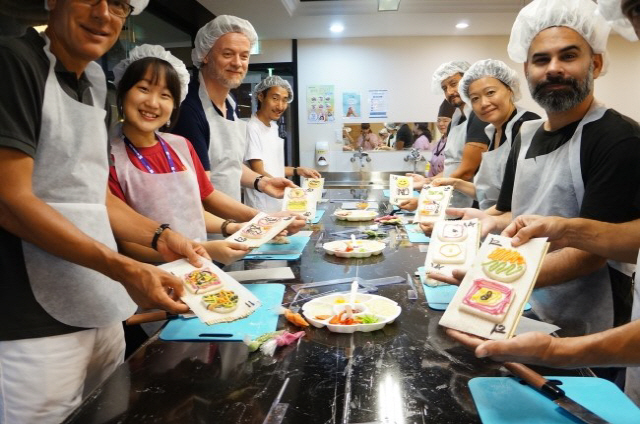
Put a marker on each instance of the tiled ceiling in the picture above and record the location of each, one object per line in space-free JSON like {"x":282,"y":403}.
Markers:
{"x":285,"y":19}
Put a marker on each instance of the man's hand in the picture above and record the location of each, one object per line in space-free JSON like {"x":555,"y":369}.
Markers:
{"x":488,"y":222}
{"x":445,"y":181}
{"x":530,"y":348}
{"x":526,"y":227}
{"x":151,"y":287}
{"x":308,"y":172}
{"x":419,"y":180}
{"x":226,"y":251}
{"x":409,"y":204}
{"x":173,"y":246}
{"x":274,"y":187}
{"x":296,"y":224}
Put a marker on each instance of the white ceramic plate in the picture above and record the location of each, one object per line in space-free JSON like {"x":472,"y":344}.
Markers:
{"x":355,"y":215}
{"x":382,"y":308}
{"x":361,"y":248}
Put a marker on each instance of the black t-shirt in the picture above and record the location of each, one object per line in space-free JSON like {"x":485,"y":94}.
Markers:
{"x":404,"y":134}
{"x":25,"y":68}
{"x":609,"y":159}
{"x":475,"y":129}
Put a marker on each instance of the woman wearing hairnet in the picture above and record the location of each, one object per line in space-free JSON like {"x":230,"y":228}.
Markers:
{"x":491,"y":88}
{"x":265,"y":148}
{"x":157,"y":173}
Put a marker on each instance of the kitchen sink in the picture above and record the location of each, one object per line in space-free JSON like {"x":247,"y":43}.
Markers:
{"x":372,"y":180}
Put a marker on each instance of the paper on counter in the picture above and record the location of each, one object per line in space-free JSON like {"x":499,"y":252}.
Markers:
{"x":527,"y":324}
{"x":247,"y":301}
{"x":279,"y":273}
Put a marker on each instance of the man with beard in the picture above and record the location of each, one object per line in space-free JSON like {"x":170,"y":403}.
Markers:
{"x":466,"y":139}
{"x":579,"y":162}
{"x":616,"y":347}
{"x":208,"y":116}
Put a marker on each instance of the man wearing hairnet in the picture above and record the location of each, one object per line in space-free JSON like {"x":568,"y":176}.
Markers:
{"x":574,"y":163}
{"x":265,"y":148}
{"x":66,"y":289}
{"x":616,"y":347}
{"x":208,"y":116}
{"x":466,"y":139}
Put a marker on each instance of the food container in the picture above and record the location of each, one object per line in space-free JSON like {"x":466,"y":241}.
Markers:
{"x":381,"y":309}
{"x":354,"y":249}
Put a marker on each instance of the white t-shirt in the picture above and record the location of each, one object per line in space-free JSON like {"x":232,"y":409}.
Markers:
{"x":264,"y":143}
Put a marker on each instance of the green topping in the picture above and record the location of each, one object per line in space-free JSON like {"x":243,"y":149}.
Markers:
{"x":369,"y":319}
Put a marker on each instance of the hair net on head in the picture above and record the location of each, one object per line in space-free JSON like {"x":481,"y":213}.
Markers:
{"x":274,"y":81}
{"x":446,"y":109}
{"x":148,"y":50}
{"x":579,"y":15}
{"x":445,"y":71}
{"x":489,"y":68}
{"x":138,"y":5}
{"x":209,"y":34}
{"x":611,"y":10}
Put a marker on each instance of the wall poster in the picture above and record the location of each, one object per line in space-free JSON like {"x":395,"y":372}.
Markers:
{"x":351,"y":105}
{"x":320,"y":104}
{"x":378,"y":103}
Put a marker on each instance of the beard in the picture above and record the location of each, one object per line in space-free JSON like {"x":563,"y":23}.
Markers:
{"x":455,"y":101}
{"x":224,"y":81}
{"x":561,"y":100}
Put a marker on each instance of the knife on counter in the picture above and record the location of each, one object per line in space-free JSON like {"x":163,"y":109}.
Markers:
{"x":554,"y":392}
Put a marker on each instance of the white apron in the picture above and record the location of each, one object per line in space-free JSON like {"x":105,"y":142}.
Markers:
{"x":632,"y":385}
{"x":456,"y":139}
{"x":227,"y":144}
{"x":273,"y":162}
{"x":70,"y":174}
{"x":173,"y":197}
{"x":488,"y":180}
{"x":552,"y":185}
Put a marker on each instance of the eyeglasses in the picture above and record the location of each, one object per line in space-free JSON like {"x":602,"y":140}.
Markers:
{"x":118,"y":8}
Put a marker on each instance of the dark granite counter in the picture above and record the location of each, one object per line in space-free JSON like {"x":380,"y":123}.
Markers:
{"x":408,"y":372}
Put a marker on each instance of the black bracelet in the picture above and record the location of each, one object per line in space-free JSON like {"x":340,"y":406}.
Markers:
{"x":156,"y":236}
{"x":256,"y":181}
{"x":295,"y":171}
{"x":223,"y":227}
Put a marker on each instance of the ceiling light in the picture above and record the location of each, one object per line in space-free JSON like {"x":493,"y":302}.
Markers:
{"x":388,"y":5}
{"x":336,"y":28}
{"x":462,"y":25}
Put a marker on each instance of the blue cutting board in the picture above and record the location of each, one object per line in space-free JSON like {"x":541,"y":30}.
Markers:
{"x":416,"y":237}
{"x":504,"y":400}
{"x":439,"y":297}
{"x":295,"y":243}
{"x":318,"y":217}
{"x":263,"y":320}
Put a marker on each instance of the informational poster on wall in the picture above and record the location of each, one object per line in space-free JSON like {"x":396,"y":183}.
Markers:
{"x":378,"y":103}
{"x":320,"y":104}
{"x":351,"y":105}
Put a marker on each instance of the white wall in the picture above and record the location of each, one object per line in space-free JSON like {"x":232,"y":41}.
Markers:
{"x":273,"y":51}
{"x":403,"y":65}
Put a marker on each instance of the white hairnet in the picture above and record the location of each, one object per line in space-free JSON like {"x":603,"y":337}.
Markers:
{"x":611,"y":10}
{"x":221,"y":25}
{"x":579,"y":15}
{"x":138,"y":5}
{"x":274,"y":81}
{"x":445,"y":71}
{"x":148,"y":50}
{"x":489,"y":68}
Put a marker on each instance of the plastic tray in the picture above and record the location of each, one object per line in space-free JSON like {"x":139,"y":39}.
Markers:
{"x":371,"y":247}
{"x":355,"y":215}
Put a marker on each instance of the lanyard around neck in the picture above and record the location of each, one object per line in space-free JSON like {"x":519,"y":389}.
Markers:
{"x":144,"y":161}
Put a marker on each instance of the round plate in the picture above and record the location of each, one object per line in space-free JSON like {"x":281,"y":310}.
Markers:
{"x":355,"y":215}
{"x":382,"y":308}
{"x":361,"y":249}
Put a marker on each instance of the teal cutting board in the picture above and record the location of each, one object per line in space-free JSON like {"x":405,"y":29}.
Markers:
{"x":504,"y":400}
{"x":263,"y":320}
{"x":416,"y":237}
{"x":295,"y":243}
{"x":318,"y":217}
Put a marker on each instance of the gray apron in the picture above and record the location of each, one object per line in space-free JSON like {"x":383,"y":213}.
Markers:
{"x":552,"y":185}
{"x":70,"y":174}
{"x":632,"y":385}
{"x":227,"y":144}
{"x":173,"y":197}
{"x":456,"y":139}
{"x":488,"y":180}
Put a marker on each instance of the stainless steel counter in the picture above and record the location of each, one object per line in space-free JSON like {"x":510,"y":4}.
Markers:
{"x":408,"y":372}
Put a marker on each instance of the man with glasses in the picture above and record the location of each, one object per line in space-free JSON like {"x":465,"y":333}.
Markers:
{"x":65,"y":288}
